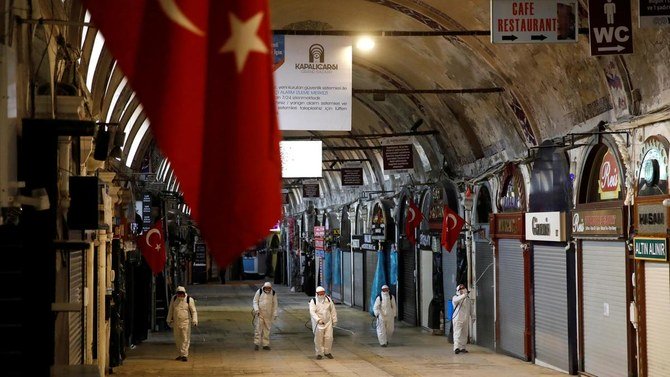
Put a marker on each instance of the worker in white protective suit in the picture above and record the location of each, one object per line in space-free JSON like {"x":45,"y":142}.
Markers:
{"x":265,"y":311}
{"x":181,"y":315}
{"x":461,"y":318}
{"x":385,"y":310}
{"x":324,"y":317}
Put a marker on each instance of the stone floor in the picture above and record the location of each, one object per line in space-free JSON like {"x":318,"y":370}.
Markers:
{"x":223,"y":345}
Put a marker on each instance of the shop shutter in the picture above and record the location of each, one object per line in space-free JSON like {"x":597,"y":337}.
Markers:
{"x":511,"y":300}
{"x":370,"y":268}
{"x":551,"y":306}
{"x":76,"y":319}
{"x":407,"y":288}
{"x":449,"y":273}
{"x":358,"y":280}
{"x":657,"y":296}
{"x":346,"y":277}
{"x":485,"y":296}
{"x":426,"y":295}
{"x":604,"y":307}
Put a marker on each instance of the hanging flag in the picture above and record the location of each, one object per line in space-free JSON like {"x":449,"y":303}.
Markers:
{"x":152,"y":245}
{"x":203,"y":73}
{"x":451,"y":228}
{"x":414,"y":218}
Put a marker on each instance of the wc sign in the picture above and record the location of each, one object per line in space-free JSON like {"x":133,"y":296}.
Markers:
{"x":610,"y":27}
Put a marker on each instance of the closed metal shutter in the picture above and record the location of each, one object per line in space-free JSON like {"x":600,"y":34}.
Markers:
{"x":604,"y":306}
{"x":407,"y":287}
{"x":657,"y":296}
{"x":76,"y":319}
{"x":511,"y":300}
{"x":485,"y":294}
{"x":426,"y":287}
{"x":346,"y":277}
{"x":358,"y":280}
{"x":370,"y":268}
{"x":551,"y":306}
{"x":335,"y":265}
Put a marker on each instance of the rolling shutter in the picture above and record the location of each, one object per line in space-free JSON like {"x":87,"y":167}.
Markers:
{"x":511,"y":300}
{"x":370,"y":268}
{"x":358,"y":280}
{"x":346,"y":277}
{"x":426,"y":295}
{"x":407,"y":288}
{"x":485,"y":294}
{"x":76,"y":319}
{"x":657,"y":293}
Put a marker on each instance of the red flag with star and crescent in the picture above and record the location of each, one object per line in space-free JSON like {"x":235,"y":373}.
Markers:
{"x":451,"y":228}
{"x":202,"y":70}
{"x":152,"y":245}
{"x":414,"y":218}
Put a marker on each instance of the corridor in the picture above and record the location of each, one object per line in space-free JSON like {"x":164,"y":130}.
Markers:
{"x":223,"y":345}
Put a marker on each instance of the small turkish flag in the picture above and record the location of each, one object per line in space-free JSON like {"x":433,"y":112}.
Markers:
{"x":152,"y":246}
{"x":203,"y":73}
{"x":414,"y":218}
{"x":451,"y":228}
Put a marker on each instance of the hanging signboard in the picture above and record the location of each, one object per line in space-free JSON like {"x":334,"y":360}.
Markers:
{"x":539,"y":21}
{"x":310,"y":189}
{"x":610,"y":27}
{"x":397,"y":155}
{"x":352,"y":174}
{"x":654,"y":13}
{"x":600,"y":222}
{"x":146,"y":212}
{"x":649,"y":248}
{"x":313,"y":82}
{"x":545,"y":226}
{"x":199,"y":270}
{"x":319,"y":234}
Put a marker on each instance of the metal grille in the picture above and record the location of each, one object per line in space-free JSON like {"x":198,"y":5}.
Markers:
{"x":551,"y":306}
{"x":407,"y":288}
{"x":76,"y":319}
{"x":604,"y":306}
{"x":346,"y":277}
{"x":511,"y":300}
{"x":358,"y":280}
{"x":370,"y":268}
{"x":485,"y":298}
{"x":657,"y":291}
{"x":426,"y":281}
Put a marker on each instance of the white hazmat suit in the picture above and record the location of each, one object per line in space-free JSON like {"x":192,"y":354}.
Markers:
{"x":385,"y":309}
{"x":461,"y":318}
{"x":324,"y":317}
{"x":181,"y":315}
{"x":265,"y":309}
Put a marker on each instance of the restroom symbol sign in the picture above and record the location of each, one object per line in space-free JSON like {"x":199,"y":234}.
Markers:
{"x":610,"y":27}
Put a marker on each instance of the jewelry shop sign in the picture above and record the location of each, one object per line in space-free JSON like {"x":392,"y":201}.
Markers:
{"x":650,"y":248}
{"x":601,"y":222}
{"x":545,"y":226}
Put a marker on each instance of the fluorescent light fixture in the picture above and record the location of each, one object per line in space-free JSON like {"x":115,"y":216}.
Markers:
{"x":301,"y":159}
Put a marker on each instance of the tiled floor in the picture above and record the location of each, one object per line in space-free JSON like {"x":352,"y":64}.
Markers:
{"x":223,"y":345}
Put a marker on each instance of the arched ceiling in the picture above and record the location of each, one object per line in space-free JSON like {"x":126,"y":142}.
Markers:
{"x":543,"y":91}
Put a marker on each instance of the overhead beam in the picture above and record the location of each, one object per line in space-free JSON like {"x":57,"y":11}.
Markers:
{"x":386,"y":33}
{"x":429,"y":91}
{"x":348,"y":160}
{"x":362,"y":136}
{"x":353,"y":148}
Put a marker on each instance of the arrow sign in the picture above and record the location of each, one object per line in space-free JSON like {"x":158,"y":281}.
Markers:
{"x":618,"y":48}
{"x":540,"y":37}
{"x":509,"y":37}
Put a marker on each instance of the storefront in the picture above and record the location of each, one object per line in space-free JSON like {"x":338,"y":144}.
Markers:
{"x":407,"y":267}
{"x":604,"y":269}
{"x":483,"y":270}
{"x":345,"y":246}
{"x":358,"y":261}
{"x":651,"y":255}
{"x":512,"y":268}
{"x":553,"y":259}
{"x":333,"y":256}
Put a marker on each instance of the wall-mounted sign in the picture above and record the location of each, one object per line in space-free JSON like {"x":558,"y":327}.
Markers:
{"x":545,"y":226}
{"x":609,"y":185}
{"x":651,"y":248}
{"x":601,"y":222}
{"x":352,"y":174}
{"x":436,"y":210}
{"x":378,"y":225}
{"x":356,"y":243}
{"x":369,"y":243}
{"x":506,"y":225}
{"x":654,"y":13}
{"x":651,"y":218}
{"x":397,"y":155}
{"x":610,"y":27}
{"x":425,"y":240}
{"x":310,"y":190}
{"x":538,"y":21}
{"x":313,"y":82}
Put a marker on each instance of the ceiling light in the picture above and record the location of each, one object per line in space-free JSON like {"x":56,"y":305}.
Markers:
{"x":365,"y":44}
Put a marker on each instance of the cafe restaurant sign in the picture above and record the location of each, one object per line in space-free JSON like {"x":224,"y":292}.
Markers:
{"x":651,"y":248}
{"x":601,"y":222}
{"x":545,"y":226}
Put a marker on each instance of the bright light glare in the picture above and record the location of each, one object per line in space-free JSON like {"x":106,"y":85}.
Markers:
{"x":365,"y":44}
{"x":301,"y":159}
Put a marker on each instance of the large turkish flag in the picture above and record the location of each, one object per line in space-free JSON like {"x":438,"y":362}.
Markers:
{"x":202,"y":69}
{"x":451,"y":228}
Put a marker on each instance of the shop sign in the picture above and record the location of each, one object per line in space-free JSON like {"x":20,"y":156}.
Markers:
{"x":601,"y":222}
{"x":545,"y":226}
{"x":651,"y":219}
{"x":356,"y":243}
{"x":369,"y":243}
{"x":651,"y":248}
{"x":609,"y":184}
{"x":507,"y":225}
{"x":378,"y":223}
{"x":425,"y":241}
